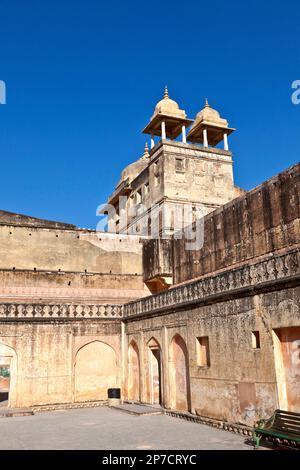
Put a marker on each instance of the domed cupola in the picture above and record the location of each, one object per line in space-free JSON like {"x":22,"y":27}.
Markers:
{"x":134,"y":169}
{"x":168,"y":120}
{"x":168,"y":107}
{"x":209,"y":128}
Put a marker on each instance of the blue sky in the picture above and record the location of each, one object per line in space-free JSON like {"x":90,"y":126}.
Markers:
{"x":83,"y":78}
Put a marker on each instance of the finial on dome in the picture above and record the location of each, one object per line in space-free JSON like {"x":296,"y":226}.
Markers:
{"x":166,"y":94}
{"x":146,"y":151}
{"x":206,"y":103}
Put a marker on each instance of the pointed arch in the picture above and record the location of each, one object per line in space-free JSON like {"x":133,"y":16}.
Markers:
{"x":154,"y":372}
{"x":153,"y":343}
{"x":95,"y":371}
{"x":179,"y":374}
{"x":133,"y":387}
{"x":8,"y":375}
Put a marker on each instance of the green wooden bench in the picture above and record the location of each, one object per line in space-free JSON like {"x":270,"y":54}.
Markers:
{"x":283,"y":428}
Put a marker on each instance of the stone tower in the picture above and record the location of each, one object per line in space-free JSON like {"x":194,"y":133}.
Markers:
{"x":174,"y":174}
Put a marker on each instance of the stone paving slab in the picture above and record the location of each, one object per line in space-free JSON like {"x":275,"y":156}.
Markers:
{"x":139,"y":410}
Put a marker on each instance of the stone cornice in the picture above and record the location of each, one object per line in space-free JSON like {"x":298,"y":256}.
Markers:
{"x":273,"y":273}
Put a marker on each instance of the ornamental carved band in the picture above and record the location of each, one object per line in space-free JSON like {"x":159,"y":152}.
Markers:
{"x":60,"y":311}
{"x":270,"y":270}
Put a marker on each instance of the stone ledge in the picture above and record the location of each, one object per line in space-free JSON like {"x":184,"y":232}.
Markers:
{"x":15,"y":412}
{"x":138,"y":409}
{"x":190,"y":149}
{"x":215,"y":423}
{"x":69,"y":406}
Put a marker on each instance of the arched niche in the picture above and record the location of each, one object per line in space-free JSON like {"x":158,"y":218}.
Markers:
{"x":133,"y":388}
{"x":179,"y":374}
{"x":8,"y":376}
{"x":154,"y":373}
{"x":95,"y":371}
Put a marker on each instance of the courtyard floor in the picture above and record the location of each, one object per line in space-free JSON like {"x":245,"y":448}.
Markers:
{"x":110,"y":429}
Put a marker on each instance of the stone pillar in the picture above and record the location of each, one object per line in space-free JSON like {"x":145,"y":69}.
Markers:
{"x":163,"y":130}
{"x":165,"y":369}
{"x":143,"y":369}
{"x":226,"y":142}
{"x":152,"y":141}
{"x":124,"y":365}
{"x":183,"y":135}
{"x":205,"y":141}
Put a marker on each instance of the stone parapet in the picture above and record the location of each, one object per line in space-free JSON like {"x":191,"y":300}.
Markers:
{"x":188,"y":149}
{"x":265,"y":274}
{"x":11,"y":311}
{"x":263,"y":221}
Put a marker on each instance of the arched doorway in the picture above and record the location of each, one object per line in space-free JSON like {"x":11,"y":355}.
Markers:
{"x":8,"y":375}
{"x":154,"y":375}
{"x":287,"y":365}
{"x":179,"y":375}
{"x":95,"y":371}
{"x":133,"y":372}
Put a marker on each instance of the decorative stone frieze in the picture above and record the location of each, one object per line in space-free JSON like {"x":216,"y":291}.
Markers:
{"x":271,"y":269}
{"x":59,"y":311}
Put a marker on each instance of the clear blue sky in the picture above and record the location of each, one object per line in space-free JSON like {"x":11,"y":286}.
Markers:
{"x":83,"y":77}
